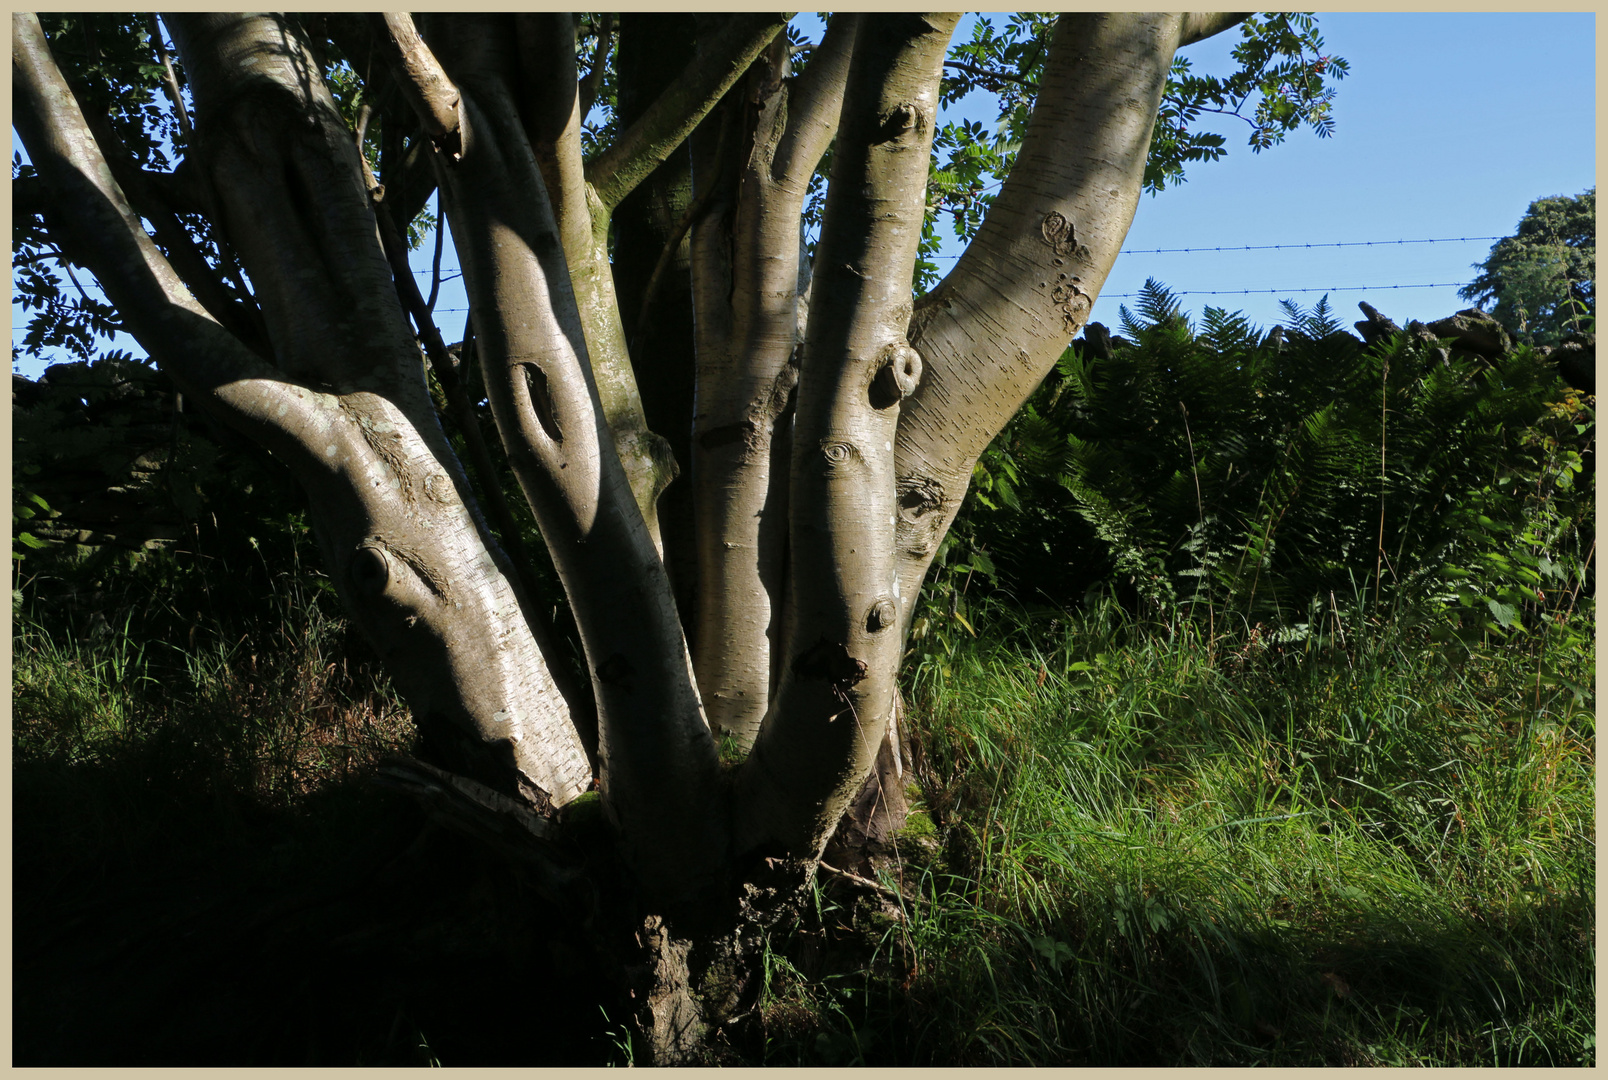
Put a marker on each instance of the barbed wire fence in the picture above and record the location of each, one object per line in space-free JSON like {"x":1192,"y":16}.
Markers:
{"x":453,"y":273}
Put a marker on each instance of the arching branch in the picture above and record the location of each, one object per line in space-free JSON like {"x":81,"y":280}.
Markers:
{"x":1023,"y":288}
{"x":669,"y":120}
{"x":106,"y":236}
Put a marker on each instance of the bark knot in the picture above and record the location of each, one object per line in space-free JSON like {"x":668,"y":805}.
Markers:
{"x":838,"y":453}
{"x":896,"y":376}
{"x":373,"y":569}
{"x":881,"y":615}
{"x":902,"y":119}
{"x":370,"y":569}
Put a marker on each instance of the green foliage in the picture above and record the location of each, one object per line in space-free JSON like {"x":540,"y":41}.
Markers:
{"x":1540,"y":283}
{"x":1221,"y":474}
{"x":124,"y":507}
{"x":1153,"y":853}
{"x":109,"y":59}
{"x":1284,"y":80}
{"x":600,"y":124}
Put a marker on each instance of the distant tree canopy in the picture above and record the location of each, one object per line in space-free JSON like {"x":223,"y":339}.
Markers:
{"x":1540,"y":283}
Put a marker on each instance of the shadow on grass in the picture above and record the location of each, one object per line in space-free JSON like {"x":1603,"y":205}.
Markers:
{"x":163,"y":923}
{"x":960,"y":987}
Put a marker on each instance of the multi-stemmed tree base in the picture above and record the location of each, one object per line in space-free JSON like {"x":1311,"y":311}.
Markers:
{"x":684,"y":971}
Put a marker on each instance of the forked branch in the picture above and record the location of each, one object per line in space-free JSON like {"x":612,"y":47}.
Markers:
{"x":106,"y":236}
{"x":670,"y":119}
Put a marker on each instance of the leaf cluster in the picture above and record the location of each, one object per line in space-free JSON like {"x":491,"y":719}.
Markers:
{"x":1285,"y":80}
{"x":119,"y":495}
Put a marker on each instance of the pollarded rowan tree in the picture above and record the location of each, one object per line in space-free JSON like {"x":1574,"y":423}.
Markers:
{"x":741,"y":505}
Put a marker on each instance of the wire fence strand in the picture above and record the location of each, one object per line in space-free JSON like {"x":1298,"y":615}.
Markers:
{"x":1295,"y":247}
{"x":1321,"y":289}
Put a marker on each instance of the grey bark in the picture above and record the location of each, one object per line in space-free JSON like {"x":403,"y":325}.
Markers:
{"x":746,"y":298}
{"x":842,"y":639}
{"x":647,"y":457}
{"x":410,"y":557}
{"x":992,"y":329}
{"x":657,"y":758}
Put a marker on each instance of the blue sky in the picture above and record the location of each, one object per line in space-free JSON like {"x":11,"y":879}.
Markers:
{"x":1449,"y":125}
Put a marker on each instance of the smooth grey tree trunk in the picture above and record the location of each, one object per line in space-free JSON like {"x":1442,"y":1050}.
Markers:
{"x":832,"y":439}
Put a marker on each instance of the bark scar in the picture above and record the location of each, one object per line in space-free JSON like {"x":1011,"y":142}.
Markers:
{"x":1059,"y":233}
{"x":541,"y":401}
{"x":829,"y":661}
{"x":385,"y":439}
{"x":743,"y":431}
{"x":1073,"y":303}
{"x":916,"y":531}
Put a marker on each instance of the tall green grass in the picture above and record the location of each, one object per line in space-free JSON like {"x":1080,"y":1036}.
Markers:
{"x":1136,"y":844}
{"x":1162,"y":850}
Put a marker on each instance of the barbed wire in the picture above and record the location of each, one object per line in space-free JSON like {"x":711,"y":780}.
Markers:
{"x":457,"y":272}
{"x":1285,"y":247}
{"x":1293,"y":247}
{"x":1322,"y":289}
{"x":1249,"y":292}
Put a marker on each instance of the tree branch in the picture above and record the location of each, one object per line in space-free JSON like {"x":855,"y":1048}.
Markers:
{"x":242,"y":319}
{"x":600,"y":59}
{"x":1024,"y":287}
{"x":411,"y":555}
{"x":746,"y":254}
{"x":659,"y":766}
{"x":552,"y":114}
{"x":1200,"y":25}
{"x":419,"y":76}
{"x":814,"y":101}
{"x":170,"y":80}
{"x":987,"y":73}
{"x":105,"y":235}
{"x":447,"y":373}
{"x":672,"y":243}
{"x":669,"y":120}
